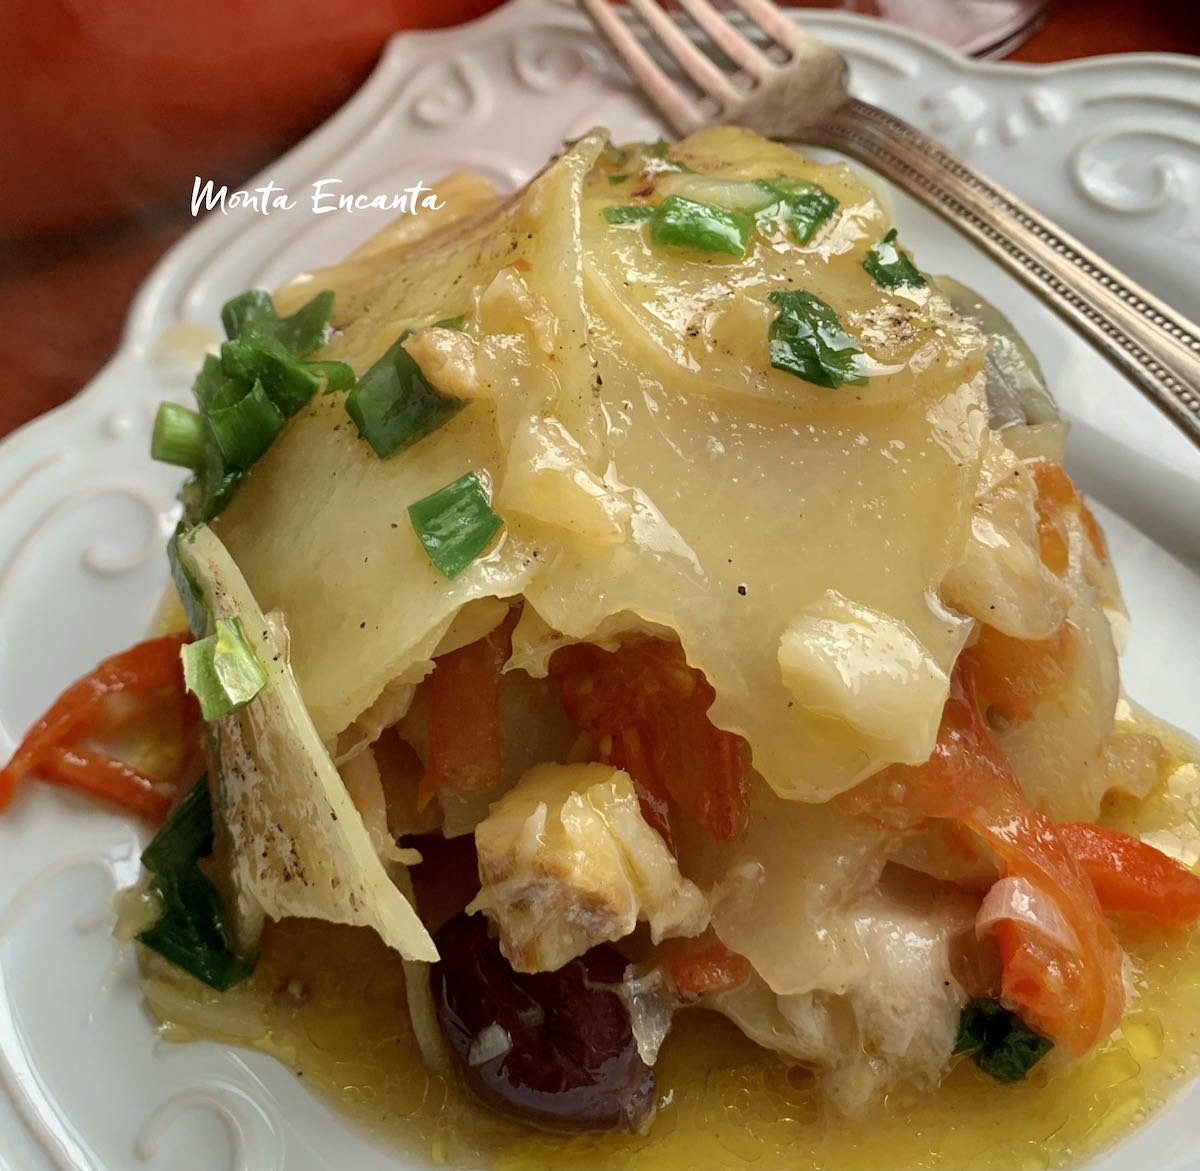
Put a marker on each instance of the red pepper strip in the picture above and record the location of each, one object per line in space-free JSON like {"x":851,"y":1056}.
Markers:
{"x":707,"y":967}
{"x":1070,"y":991}
{"x":1013,"y":677}
{"x":8,"y":786}
{"x":100,"y":775}
{"x":465,"y":733}
{"x":1131,"y":876}
{"x":628,"y":752}
{"x":144,"y":667}
{"x":647,"y":710}
{"x":1056,"y":495}
{"x":140,"y":674}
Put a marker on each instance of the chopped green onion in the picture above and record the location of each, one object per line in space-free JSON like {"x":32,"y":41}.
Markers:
{"x":393,"y":406}
{"x":731,"y":194}
{"x":289,"y":383}
{"x":191,"y":597}
{"x":246,"y":428}
{"x":187,"y":833}
{"x":222,"y":670}
{"x":178,"y":436}
{"x":617,"y":180}
{"x":211,"y":386}
{"x":807,"y":340}
{"x":455,"y":524}
{"x":688,"y":223}
{"x":220,"y":483}
{"x":804,"y":205}
{"x":1002,"y":1045}
{"x":459,"y":323}
{"x":251,"y":317}
{"x":191,"y":930}
{"x":246,"y":394}
{"x":618,"y":156}
{"x":628,"y":213}
{"x":891,"y":266}
{"x":337,"y":375}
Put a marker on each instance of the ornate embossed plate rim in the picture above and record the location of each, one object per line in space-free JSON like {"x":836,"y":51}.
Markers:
{"x":84,"y":513}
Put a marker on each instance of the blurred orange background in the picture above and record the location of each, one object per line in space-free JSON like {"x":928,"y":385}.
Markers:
{"x":108,"y":108}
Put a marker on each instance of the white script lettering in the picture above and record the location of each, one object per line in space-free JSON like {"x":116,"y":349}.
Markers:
{"x":263,"y":199}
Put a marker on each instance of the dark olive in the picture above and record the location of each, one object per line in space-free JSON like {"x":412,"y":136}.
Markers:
{"x":550,"y":1049}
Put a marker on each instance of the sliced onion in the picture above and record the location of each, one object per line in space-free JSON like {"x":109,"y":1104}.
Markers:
{"x":732,"y":194}
{"x":1016,"y":389}
{"x":1018,"y":900}
{"x":651,"y":1010}
{"x":493,"y":1041}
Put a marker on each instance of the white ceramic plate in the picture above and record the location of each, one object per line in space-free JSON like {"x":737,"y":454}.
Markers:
{"x":1108,"y":147}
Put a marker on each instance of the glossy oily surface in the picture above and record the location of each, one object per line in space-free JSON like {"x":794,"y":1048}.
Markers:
{"x":747,"y":1110}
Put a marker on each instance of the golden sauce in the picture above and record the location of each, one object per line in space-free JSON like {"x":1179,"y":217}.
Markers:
{"x":329,"y":1001}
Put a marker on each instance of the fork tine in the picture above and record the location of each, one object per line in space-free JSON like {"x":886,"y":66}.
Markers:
{"x":679,"y":109}
{"x":703,"y":72}
{"x":773,"y":22}
{"x":746,"y":55}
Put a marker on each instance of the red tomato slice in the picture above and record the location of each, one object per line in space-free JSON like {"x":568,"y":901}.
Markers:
{"x":1132,"y":877}
{"x":1013,"y":677}
{"x":700,"y":966}
{"x":647,"y":711}
{"x":1069,"y":990}
{"x":136,"y":695}
{"x":465,"y":736}
{"x":1056,"y":495}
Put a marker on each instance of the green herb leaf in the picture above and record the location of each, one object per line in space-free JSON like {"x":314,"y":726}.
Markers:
{"x":213,"y":387}
{"x":1011,"y":1059}
{"x":178,"y":436}
{"x":628,"y":213}
{"x":220,"y":483}
{"x":185,"y":835}
{"x":246,"y":428}
{"x":245,"y":395}
{"x":455,"y":524}
{"x":251,"y":317}
{"x":191,"y":597}
{"x":688,"y":223}
{"x":804,"y":206}
{"x":807,"y":340}
{"x":1002,"y":1045}
{"x":890,"y":266}
{"x":222,"y":670}
{"x":289,"y":383}
{"x":616,"y":156}
{"x":393,"y":406}
{"x":191,"y":930}
{"x":749,"y":197}
{"x":459,"y":323}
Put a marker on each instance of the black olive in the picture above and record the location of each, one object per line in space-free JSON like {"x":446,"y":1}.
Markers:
{"x":553,"y":1050}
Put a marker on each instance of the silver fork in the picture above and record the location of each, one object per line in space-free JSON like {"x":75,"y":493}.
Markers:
{"x":795,"y":88}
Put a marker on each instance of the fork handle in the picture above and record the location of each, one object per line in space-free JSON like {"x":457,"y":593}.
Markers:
{"x":1156,"y":347}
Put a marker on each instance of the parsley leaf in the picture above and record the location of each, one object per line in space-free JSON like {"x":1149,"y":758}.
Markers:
{"x":891,"y":266}
{"x":628,"y":213}
{"x":1002,"y":1045}
{"x":803,"y":206}
{"x":688,"y":223}
{"x":807,"y":340}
